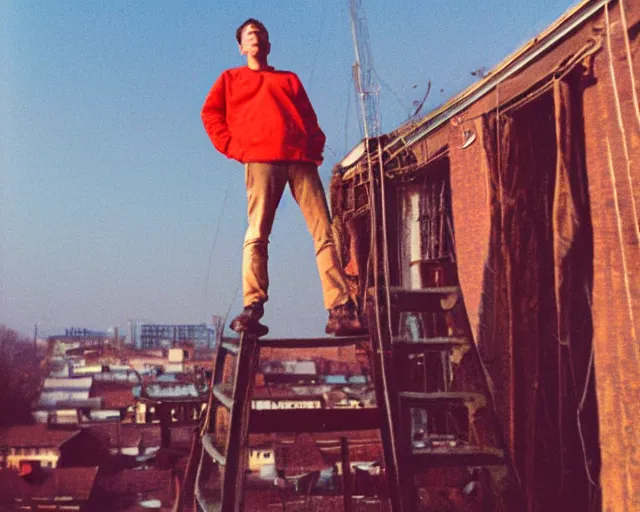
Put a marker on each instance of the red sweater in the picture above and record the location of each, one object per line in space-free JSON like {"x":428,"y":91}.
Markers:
{"x":262,"y":116}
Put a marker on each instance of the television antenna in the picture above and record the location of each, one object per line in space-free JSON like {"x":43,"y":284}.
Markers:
{"x":364,"y":77}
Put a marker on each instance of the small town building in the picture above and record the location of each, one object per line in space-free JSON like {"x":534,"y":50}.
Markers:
{"x":60,"y":490}
{"x":31,"y":447}
{"x":150,"y":336}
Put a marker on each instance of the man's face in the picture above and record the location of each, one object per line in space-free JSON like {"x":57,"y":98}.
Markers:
{"x":254,"y":42}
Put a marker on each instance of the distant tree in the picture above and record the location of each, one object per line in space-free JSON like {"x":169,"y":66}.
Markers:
{"x":21,"y":375}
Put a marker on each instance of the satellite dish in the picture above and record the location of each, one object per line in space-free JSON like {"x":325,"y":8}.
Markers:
{"x":469,"y":138}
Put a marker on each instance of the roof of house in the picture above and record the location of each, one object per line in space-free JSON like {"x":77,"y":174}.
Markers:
{"x":76,"y":483}
{"x":128,"y":488}
{"x":48,"y":403}
{"x":67,"y":384}
{"x":114,"y":395}
{"x":300,"y":457}
{"x":35,"y":436}
{"x":131,"y":434}
{"x":169,"y":390}
{"x":273,"y":392}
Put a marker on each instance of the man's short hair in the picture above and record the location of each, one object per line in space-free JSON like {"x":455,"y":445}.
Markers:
{"x":250,"y":21}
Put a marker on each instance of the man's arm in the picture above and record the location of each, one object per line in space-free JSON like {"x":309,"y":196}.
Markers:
{"x":316,"y":136}
{"x":214,"y":118}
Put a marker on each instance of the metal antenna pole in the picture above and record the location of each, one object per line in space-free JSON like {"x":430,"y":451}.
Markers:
{"x":367,"y":90}
{"x":366,"y":87}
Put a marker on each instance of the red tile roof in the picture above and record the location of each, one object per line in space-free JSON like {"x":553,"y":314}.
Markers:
{"x":301,"y":457}
{"x":114,"y":395}
{"x":76,"y":483}
{"x":131,"y":433}
{"x":34,"y":436}
{"x":134,"y":485}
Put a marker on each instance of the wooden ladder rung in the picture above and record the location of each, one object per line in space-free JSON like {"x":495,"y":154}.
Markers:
{"x":212,"y":450}
{"x":424,"y":300}
{"x":243,"y":419}
{"x":314,"y":420}
{"x":459,"y":456}
{"x":415,"y":399}
{"x":437,"y":344}
{"x":325,"y":342}
{"x":222,"y":392}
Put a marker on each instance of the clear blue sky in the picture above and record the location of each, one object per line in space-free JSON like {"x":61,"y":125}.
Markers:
{"x":111,"y":194}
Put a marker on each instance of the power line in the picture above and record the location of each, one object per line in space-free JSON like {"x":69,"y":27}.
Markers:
{"x":320,"y":33}
{"x":393,"y":93}
{"x":346,"y":120}
{"x":213,"y":244}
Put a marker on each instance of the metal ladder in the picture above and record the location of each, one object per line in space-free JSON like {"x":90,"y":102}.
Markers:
{"x":219,"y":479}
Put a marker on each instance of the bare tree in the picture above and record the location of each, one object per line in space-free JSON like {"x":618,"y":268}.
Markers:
{"x":21,"y":375}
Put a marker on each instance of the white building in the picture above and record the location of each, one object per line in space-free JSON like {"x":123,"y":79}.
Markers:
{"x":150,"y":336}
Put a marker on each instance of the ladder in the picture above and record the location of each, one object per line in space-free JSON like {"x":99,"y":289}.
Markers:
{"x":219,"y":479}
{"x":442,"y":423}
{"x":434,"y":410}
{"x":441,"y":411}
{"x":447,"y":398}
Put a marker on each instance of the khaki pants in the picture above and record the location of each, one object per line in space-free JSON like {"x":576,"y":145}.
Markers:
{"x":265,"y":184}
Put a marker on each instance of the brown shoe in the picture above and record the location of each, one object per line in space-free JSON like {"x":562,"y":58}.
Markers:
{"x":248,"y":320}
{"x":344,"y":321}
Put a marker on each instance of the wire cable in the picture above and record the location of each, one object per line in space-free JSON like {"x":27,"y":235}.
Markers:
{"x":583,"y":400}
{"x":213,"y":245}
{"x":346,"y":117}
{"x":318,"y":41}
{"x":393,"y":93}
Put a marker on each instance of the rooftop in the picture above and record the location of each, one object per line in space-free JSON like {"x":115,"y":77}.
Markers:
{"x":61,"y":383}
{"x":74,"y":483}
{"x":114,"y":395}
{"x":126,"y":489}
{"x":34,"y":436}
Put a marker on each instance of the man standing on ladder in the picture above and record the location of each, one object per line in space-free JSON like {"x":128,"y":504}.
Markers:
{"x":263,"y":118}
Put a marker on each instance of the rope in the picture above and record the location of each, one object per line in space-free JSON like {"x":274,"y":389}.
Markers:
{"x":560,"y":71}
{"x":374,"y":252}
{"x":385,"y":242}
{"x":623,"y":133}
{"x":627,"y":285}
{"x":581,"y":406}
{"x":623,"y":16}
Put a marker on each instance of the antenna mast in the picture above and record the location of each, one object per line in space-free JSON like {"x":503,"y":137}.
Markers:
{"x":366,"y":85}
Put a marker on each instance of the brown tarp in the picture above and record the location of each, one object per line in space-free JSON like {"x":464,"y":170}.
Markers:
{"x":612,"y":133}
{"x":545,"y":206}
